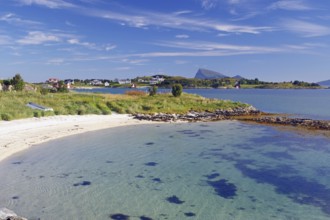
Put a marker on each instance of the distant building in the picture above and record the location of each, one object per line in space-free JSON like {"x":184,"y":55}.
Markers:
{"x":96,"y":82}
{"x":53,"y":80}
{"x":156,"y":80}
{"x":68,"y":83}
{"x":123,"y":81}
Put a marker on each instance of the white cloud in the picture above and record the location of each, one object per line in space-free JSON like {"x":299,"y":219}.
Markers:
{"x":123,"y":68}
{"x":135,"y":61}
{"x":212,"y":46}
{"x":56,"y":61}
{"x":143,"y":19}
{"x":54,"y":4}
{"x":208,"y":4}
{"x":182,"y":36}
{"x":14,"y":20}
{"x":306,"y":29}
{"x":292,"y":5}
{"x":110,"y":47}
{"x":38,"y":37}
{"x":75,"y":41}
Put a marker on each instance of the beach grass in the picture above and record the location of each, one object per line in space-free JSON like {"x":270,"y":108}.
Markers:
{"x":13,"y":104}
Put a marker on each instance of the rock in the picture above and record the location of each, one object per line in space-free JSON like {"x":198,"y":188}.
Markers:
{"x":246,"y":114}
{"x":7,"y":214}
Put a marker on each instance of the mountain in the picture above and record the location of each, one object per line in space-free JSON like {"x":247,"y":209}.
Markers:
{"x":209,"y":74}
{"x":324,"y":83}
{"x":238,"y":77}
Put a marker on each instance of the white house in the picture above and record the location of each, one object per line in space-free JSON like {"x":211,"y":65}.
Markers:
{"x":123,"y":81}
{"x":156,"y":80}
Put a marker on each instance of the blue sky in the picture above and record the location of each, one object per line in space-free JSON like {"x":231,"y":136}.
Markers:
{"x":273,"y":40}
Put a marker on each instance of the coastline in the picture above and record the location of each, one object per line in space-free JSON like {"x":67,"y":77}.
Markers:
{"x":19,"y":135}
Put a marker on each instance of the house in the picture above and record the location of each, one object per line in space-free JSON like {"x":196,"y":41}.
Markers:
{"x":156,"y":80}
{"x":106,"y":84}
{"x":69,"y":83}
{"x":96,"y":82}
{"x":123,"y":81}
{"x":53,"y":80}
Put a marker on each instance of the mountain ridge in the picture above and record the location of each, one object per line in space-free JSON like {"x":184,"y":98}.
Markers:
{"x":208,"y":74}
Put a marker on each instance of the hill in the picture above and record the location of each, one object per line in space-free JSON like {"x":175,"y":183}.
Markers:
{"x":209,"y":74}
{"x":324,"y":83}
{"x":238,"y":77}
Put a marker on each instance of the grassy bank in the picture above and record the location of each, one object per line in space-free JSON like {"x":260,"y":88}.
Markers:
{"x":13,"y":104}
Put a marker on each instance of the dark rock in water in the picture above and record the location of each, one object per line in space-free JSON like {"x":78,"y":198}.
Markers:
{"x":6,"y":214}
{"x":152,"y":164}
{"x":15,"y":197}
{"x":158,"y":180}
{"x":17,"y":162}
{"x":174,"y":199}
{"x":119,"y":217}
{"x":150,"y":143}
{"x":223,"y":188}
{"x":298,"y":188}
{"x":83,"y":183}
{"x":189,"y":214}
{"x":213,"y":176}
{"x":145,"y":218}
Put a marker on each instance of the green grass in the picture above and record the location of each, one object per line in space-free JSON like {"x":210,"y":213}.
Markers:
{"x":13,"y":104}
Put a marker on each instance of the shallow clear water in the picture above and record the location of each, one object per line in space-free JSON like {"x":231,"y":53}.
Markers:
{"x":220,"y":170}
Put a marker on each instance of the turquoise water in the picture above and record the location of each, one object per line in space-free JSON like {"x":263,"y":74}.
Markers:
{"x":306,"y":103}
{"x":218,"y":170}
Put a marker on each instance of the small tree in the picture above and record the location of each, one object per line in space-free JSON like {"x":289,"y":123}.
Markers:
{"x":177,"y":90}
{"x":153,"y":90}
{"x":18,"y":82}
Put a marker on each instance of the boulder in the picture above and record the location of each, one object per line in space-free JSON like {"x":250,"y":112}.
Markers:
{"x":7,"y":214}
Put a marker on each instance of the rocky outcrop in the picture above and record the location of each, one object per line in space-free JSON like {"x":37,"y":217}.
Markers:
{"x":296,"y":122}
{"x":6,"y":214}
{"x":200,"y":116}
{"x":243,"y":114}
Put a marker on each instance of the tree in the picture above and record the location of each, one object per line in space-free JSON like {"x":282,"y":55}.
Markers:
{"x":18,"y":82}
{"x":177,"y":90}
{"x":62,"y":87}
{"x":153,"y":90}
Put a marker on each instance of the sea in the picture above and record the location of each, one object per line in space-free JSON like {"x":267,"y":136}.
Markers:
{"x":208,"y":171}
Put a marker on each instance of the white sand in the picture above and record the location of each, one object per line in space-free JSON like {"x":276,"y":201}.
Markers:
{"x":19,"y":135}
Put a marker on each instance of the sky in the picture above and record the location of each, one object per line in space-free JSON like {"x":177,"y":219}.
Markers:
{"x":272,"y":40}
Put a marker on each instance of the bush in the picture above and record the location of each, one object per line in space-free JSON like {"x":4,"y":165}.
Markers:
{"x":5,"y":117}
{"x":44,"y":91}
{"x":177,"y":90}
{"x":36,"y":114}
{"x":153,"y":90}
{"x":18,"y":82}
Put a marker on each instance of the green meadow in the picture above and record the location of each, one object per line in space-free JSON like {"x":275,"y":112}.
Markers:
{"x":13,"y":104}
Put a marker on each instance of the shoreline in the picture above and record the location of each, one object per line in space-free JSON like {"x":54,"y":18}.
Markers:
{"x":19,"y":135}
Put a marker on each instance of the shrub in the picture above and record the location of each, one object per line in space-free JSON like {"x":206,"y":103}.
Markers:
{"x":177,"y":90}
{"x":36,"y":114}
{"x":44,"y":91}
{"x":5,"y":117}
{"x":153,"y":90}
{"x":18,"y":82}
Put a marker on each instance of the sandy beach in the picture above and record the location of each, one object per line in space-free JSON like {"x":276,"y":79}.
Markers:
{"x":21,"y":134}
